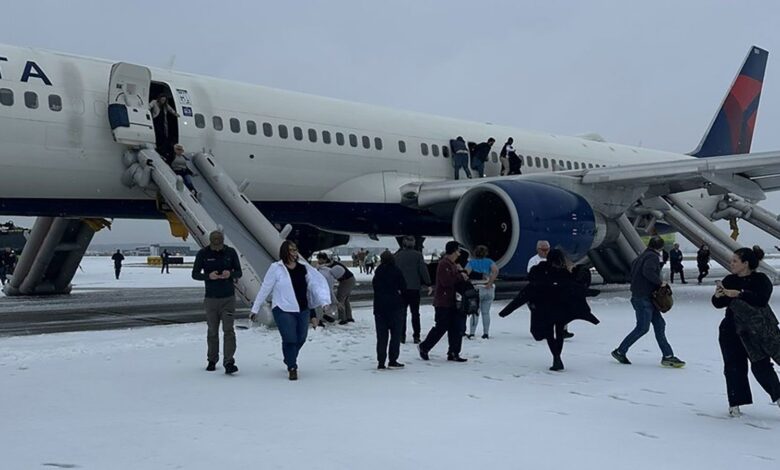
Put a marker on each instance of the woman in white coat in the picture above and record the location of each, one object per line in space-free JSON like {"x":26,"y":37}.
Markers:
{"x":296,"y":289}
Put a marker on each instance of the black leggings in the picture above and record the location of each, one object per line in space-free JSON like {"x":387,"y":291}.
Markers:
{"x":555,"y":339}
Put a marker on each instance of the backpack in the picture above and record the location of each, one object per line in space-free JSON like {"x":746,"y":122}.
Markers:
{"x":469,"y":298}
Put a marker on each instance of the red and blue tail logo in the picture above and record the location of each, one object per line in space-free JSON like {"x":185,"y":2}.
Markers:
{"x":731,"y":132}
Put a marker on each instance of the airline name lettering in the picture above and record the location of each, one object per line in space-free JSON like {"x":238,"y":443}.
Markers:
{"x":31,"y":70}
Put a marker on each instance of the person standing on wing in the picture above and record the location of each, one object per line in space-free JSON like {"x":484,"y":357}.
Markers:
{"x":646,"y":279}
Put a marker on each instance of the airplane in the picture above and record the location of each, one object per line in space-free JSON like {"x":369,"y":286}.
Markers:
{"x":329,"y":168}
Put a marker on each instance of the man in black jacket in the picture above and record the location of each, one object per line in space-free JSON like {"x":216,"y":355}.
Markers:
{"x":646,"y":279}
{"x":118,"y":258}
{"x":481,"y":155}
{"x":218,"y":265}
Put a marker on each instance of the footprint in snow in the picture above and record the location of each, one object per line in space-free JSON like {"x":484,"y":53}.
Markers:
{"x":645,"y":434}
{"x":492,"y":378}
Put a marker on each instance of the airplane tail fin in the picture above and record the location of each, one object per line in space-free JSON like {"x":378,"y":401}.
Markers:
{"x":731,"y":131}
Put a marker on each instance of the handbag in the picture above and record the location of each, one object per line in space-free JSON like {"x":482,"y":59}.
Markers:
{"x":662,"y":298}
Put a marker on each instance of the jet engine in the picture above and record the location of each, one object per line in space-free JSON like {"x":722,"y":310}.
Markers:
{"x":509,"y":217}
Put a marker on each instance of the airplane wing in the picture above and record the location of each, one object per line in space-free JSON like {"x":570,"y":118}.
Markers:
{"x":747,"y":175}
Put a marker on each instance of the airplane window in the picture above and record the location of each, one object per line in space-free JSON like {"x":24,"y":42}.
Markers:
{"x":326,"y":137}
{"x":378,"y":143}
{"x":445,"y":151}
{"x":312,"y":135}
{"x":251,"y":127}
{"x":424,"y":148}
{"x":545,"y":163}
{"x":235,"y":125}
{"x":568,"y":164}
{"x":298,"y":133}
{"x":283,"y":131}
{"x":590,"y":165}
{"x":561,"y":165}
{"x":353,"y":140}
{"x":529,"y":160}
{"x":495,"y":157}
{"x":55,"y":103}
{"x":538,"y":162}
{"x":31,"y":99}
{"x":339,"y":138}
{"x":435,"y":150}
{"x":6,"y":97}
{"x":402,"y":146}
{"x":576,"y":165}
{"x":217,"y":122}
{"x":366,"y":142}
{"x":268,"y":129}
{"x":200,"y":121}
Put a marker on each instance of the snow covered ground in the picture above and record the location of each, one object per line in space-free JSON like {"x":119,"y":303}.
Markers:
{"x":140,"y":399}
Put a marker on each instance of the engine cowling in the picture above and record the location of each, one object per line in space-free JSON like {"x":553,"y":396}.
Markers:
{"x":509,"y":217}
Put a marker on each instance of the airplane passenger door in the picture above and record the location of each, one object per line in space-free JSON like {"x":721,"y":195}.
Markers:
{"x":128,"y":104}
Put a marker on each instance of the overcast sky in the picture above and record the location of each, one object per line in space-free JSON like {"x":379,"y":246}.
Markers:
{"x":639,"y":73}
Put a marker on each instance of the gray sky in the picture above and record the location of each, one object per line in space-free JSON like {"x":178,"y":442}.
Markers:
{"x":649,"y":73}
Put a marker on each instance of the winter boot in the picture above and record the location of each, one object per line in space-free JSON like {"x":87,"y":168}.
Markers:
{"x":212,"y":366}
{"x":557,"y":364}
{"x":230,"y":368}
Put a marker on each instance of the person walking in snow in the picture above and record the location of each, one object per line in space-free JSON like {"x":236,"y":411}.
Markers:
{"x":675,"y":263}
{"x":703,"y":261}
{"x":389,"y":286}
{"x":295,"y":289}
{"x":753,"y":288}
{"x":218,"y":266}
{"x":646,"y":279}
{"x":118,"y":258}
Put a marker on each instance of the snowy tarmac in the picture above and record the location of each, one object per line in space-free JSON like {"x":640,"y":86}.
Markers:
{"x":140,"y":399}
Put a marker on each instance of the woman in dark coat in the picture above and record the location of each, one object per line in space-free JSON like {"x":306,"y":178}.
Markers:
{"x":703,"y":261}
{"x":389,"y":286}
{"x":755,"y":289}
{"x":555,"y":298}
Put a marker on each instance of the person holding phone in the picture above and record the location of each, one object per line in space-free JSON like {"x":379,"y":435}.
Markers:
{"x":218,"y":265}
{"x":754,"y":288}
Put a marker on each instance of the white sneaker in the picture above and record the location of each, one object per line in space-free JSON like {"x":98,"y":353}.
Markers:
{"x":734,"y":412}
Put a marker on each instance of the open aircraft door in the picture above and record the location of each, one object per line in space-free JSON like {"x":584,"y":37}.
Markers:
{"x":128,"y":104}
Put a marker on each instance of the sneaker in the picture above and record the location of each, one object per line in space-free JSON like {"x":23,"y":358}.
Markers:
{"x":416,"y":340}
{"x":230,"y":369}
{"x":423,"y":353}
{"x":620,"y":357}
{"x":292,"y":374}
{"x":456,"y":358}
{"x":672,"y":361}
{"x":485,"y":336}
{"x":381,"y":366}
{"x":343,"y":322}
{"x":734,"y":412}
{"x":567,"y":335}
{"x":212,"y":366}
{"x":395,"y":364}
{"x":557,"y":364}
{"x":469,"y":336}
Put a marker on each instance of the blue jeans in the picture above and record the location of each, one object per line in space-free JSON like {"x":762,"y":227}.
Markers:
{"x":646,"y":313}
{"x":293,"y":326}
{"x":461,"y":161}
{"x":486,"y":297}
{"x":479,"y":166}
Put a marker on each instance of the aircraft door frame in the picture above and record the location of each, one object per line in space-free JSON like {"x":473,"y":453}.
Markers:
{"x":128,"y":104}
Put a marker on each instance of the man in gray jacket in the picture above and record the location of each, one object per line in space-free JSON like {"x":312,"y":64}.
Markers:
{"x":645,"y":279}
{"x":412,"y":266}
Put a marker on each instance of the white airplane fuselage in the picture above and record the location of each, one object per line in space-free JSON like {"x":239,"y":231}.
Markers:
{"x":65,"y":162}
